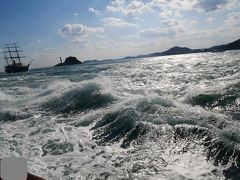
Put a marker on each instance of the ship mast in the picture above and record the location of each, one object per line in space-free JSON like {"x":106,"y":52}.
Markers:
{"x":8,"y":51}
{"x":5,"y":57}
{"x":13,"y":52}
{"x":12,"y":56}
{"x":15,"y":45}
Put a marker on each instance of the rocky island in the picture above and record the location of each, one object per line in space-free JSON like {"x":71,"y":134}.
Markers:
{"x":69,"y":61}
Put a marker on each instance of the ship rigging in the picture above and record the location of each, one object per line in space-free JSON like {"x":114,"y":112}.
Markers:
{"x":13,"y":59}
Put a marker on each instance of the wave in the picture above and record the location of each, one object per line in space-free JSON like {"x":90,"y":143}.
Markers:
{"x":158,"y":118}
{"x":5,"y":97}
{"x":13,"y":115}
{"x":114,"y":126}
{"x":127,"y":123}
{"x":228,"y":99}
{"x":55,"y":147}
{"x":225,"y":151}
{"x":78,"y":99}
{"x":222,"y":148}
{"x":137,"y":109}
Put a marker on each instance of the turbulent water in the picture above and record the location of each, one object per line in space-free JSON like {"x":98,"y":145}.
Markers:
{"x":172,"y":117}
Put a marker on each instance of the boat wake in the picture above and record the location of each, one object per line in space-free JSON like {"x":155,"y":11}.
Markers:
{"x":159,"y":118}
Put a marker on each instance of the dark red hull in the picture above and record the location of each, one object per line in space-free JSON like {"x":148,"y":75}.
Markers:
{"x":16,"y":68}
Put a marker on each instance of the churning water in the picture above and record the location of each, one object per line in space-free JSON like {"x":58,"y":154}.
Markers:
{"x":172,"y":117}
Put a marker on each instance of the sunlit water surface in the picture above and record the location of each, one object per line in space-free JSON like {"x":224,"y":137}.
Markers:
{"x":172,"y":117}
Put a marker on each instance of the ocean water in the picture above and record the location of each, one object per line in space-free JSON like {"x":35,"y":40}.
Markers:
{"x":172,"y":117}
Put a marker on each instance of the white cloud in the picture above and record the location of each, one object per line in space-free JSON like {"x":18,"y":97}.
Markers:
{"x":75,"y":14}
{"x":173,"y":4}
{"x":83,"y":43}
{"x":128,"y":8}
{"x":79,"y":33}
{"x":156,"y":32}
{"x":174,"y":28}
{"x":210,"y":19}
{"x":94,"y":11}
{"x":134,"y":7}
{"x":116,"y":6}
{"x":116,"y":22}
{"x":166,"y":13}
{"x":78,"y":30}
{"x":233,"y":19}
{"x":100,"y":36}
{"x":118,"y":2}
{"x":209,"y":32}
{"x":204,"y":5}
{"x":113,"y":9}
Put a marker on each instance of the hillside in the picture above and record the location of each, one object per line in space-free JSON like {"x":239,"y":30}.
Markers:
{"x":184,"y":50}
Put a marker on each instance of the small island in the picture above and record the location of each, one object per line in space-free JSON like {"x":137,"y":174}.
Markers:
{"x":69,"y":61}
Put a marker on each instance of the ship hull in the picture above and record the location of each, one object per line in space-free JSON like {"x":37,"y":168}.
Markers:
{"x":15,"y":69}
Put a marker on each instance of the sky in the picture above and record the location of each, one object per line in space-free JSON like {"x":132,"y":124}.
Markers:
{"x":103,"y":29}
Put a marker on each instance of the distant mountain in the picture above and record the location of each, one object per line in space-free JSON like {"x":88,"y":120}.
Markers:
{"x":177,"y":50}
{"x":217,"y":48}
{"x":153,"y":54}
{"x":184,"y":50}
{"x":69,"y":61}
{"x":232,"y":46}
{"x":172,"y":51}
{"x":225,"y":47}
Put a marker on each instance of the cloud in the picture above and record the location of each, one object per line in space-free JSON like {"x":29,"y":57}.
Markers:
{"x":75,"y":14}
{"x":166,"y":13}
{"x":83,"y":43}
{"x":116,"y":22}
{"x":79,"y":33}
{"x":127,"y":8}
{"x":116,"y":6}
{"x":210,"y":19}
{"x":174,"y":28}
{"x":212,"y":5}
{"x":173,"y":4}
{"x":118,"y":2}
{"x":94,"y":11}
{"x":134,"y":7}
{"x":73,"y":30}
{"x":209,"y":32}
{"x":113,"y":9}
{"x":100,"y":36}
{"x":204,"y":5}
{"x":233,"y":19}
{"x":156,"y":32}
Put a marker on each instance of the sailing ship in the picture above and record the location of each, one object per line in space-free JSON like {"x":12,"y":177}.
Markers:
{"x":13,"y":59}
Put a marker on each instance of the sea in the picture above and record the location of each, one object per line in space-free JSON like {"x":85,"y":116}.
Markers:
{"x":159,"y":118}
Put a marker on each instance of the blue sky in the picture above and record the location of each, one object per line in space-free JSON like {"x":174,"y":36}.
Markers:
{"x":100,"y":29}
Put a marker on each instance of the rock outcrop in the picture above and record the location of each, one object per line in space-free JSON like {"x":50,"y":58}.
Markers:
{"x":69,"y":61}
